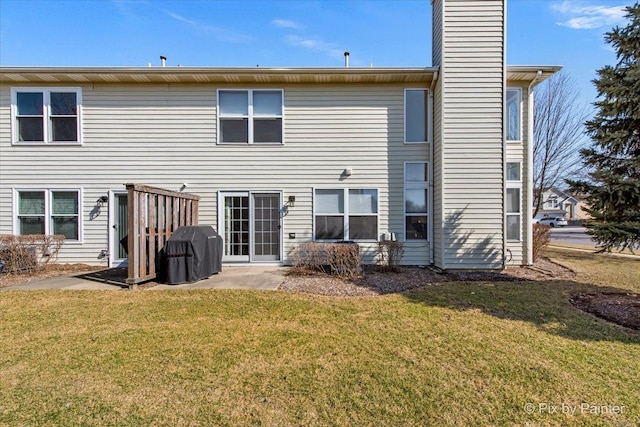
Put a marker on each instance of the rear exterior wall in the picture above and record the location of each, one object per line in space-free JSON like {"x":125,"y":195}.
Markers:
{"x":166,"y":135}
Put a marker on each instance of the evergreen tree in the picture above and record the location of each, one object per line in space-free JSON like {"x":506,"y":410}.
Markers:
{"x":613,"y":191}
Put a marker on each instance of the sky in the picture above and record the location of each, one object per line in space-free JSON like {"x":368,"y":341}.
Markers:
{"x":296,"y":33}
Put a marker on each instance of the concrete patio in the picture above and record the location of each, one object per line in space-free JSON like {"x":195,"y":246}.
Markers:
{"x":266,"y":278}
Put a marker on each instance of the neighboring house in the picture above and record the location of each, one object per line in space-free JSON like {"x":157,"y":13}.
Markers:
{"x":580,"y":210}
{"x":557,"y":203}
{"x":440,"y":156}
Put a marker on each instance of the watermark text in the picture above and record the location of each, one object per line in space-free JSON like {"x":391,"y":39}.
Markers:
{"x":573,"y":409}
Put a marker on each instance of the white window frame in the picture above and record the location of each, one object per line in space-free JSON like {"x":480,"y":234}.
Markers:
{"x":506,"y":116}
{"x":428,"y":119}
{"x":250,"y":116}
{"x":417,"y":185}
{"x":513,"y":184}
{"x":48,"y":208}
{"x":46,"y":103}
{"x":346,"y":213}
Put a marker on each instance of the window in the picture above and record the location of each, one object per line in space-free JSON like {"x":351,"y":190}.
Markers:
{"x":46,"y":116}
{"x":362,"y":221}
{"x":513,"y":172}
{"x":553,"y":202}
{"x":416,"y":201}
{"x":514,"y":115}
{"x":346,"y":214}
{"x":48,"y":212}
{"x":417,"y":116}
{"x":31,"y":212}
{"x":514,"y":201}
{"x":250,"y":116}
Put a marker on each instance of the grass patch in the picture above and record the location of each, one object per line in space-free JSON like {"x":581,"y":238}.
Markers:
{"x":452,"y":354}
{"x":600,"y":269}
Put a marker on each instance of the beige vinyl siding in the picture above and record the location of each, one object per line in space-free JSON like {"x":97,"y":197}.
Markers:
{"x":473,"y":80}
{"x":436,"y":40}
{"x":438,"y":229}
{"x":6,"y":202}
{"x":165,"y":135}
{"x":517,"y":152}
{"x":437,"y":184}
{"x":516,"y":249}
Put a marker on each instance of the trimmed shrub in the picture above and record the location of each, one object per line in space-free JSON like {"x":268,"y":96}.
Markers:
{"x":541,"y":238}
{"x":28,"y":253}
{"x":390,"y":255}
{"x":338,"y":259}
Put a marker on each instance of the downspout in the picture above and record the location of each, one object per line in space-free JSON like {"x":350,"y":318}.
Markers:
{"x":431,"y":162}
{"x":529,"y":205}
{"x":505,"y":83}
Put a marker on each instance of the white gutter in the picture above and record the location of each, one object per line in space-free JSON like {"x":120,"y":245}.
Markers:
{"x":529,"y":205}
{"x":505,"y":82}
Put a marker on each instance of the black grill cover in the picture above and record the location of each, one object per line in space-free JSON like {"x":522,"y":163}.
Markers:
{"x":192,"y":253}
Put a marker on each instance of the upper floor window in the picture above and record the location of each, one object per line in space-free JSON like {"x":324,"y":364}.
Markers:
{"x":48,"y":212}
{"x":514,"y":115}
{"x":417,"y":116}
{"x":250,"y":116}
{"x":46,"y":116}
{"x":346,"y":214}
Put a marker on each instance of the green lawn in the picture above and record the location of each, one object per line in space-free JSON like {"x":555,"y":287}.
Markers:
{"x":453,"y":354}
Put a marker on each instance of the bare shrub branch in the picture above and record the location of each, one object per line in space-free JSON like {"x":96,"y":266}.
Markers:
{"x":541,"y":238}
{"x":339,"y":259}
{"x":558,"y":134}
{"x":390,"y":255}
{"x":28,"y":253}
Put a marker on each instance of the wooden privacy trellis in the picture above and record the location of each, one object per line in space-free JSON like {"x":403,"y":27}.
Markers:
{"x":154,"y":214}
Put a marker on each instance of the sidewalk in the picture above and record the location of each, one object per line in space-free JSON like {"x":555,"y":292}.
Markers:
{"x":589,"y":249}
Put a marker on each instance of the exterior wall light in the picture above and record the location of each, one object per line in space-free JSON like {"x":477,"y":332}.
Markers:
{"x":102,"y":200}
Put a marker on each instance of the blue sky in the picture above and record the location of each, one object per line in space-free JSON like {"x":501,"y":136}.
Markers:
{"x":289,"y":33}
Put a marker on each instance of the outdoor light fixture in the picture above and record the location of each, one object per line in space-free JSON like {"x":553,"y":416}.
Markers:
{"x":292,"y":201}
{"x":102,"y":200}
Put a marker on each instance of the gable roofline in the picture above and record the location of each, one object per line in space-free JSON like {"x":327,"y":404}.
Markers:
{"x":561,"y":193}
{"x":244,"y":75}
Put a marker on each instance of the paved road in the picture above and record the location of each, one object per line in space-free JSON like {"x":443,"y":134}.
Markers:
{"x":571,"y":234}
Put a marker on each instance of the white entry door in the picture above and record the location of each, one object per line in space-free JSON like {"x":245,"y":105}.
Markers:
{"x":250,"y":224}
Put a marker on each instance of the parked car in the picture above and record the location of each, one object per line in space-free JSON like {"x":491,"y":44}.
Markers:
{"x":554,"y":222}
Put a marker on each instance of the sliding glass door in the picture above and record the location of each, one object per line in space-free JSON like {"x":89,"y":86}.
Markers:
{"x":250,"y":226}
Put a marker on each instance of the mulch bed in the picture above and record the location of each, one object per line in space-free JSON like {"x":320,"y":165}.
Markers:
{"x":620,"y":308}
{"x":375,"y":282}
{"x":47,"y":271}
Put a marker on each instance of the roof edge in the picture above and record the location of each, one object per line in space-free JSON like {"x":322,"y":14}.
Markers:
{"x":249,"y":75}
{"x":209,"y":70}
